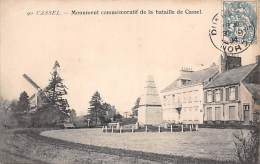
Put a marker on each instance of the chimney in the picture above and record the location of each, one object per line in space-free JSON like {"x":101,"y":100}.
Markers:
{"x":222,"y":64}
{"x":185,"y":70}
{"x":257,"y":59}
{"x":228,"y":62}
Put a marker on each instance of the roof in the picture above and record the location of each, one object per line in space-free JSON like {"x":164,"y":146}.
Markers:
{"x":254,"y":89}
{"x":150,"y":95}
{"x":195,"y":77}
{"x":230,"y":77}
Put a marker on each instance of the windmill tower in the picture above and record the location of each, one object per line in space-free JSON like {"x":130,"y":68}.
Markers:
{"x":39,"y":98}
{"x":150,"y":108}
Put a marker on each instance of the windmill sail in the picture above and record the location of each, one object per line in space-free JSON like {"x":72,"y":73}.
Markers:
{"x":32,"y":82}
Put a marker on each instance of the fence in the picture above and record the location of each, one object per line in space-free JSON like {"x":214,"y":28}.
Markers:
{"x":150,"y":128}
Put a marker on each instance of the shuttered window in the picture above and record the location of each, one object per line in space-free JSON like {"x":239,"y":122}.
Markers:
{"x":221,"y":94}
{"x":213,"y":96}
{"x":232,"y":93}
{"x":227,"y":94}
{"x":209,"y":96}
{"x":205,"y":97}
{"x":217,"y":95}
{"x":236,"y":92}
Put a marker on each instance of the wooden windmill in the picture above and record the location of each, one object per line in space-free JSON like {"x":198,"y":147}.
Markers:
{"x":40,"y":97}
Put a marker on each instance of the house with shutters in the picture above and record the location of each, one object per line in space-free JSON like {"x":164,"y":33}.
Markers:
{"x":234,"y":94}
{"x":182,"y":100}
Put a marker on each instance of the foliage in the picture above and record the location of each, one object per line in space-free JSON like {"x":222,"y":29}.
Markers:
{"x":118,"y":117}
{"x":136,"y":106}
{"x":73,"y":114}
{"x":57,"y":91}
{"x":247,"y":146}
{"x":47,"y":116}
{"x":23,"y":103}
{"x":17,"y":112}
{"x":95,"y":109}
{"x":11,"y":116}
{"x":100,"y":112}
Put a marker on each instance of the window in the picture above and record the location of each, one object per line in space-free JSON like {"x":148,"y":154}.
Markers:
{"x":232,"y":93}
{"x":168,"y":100}
{"x":232,"y":113}
{"x":246,"y":109}
{"x":184,"y":97}
{"x":217,"y":95}
{"x":209,"y":96}
{"x":164,"y":100}
{"x":189,"y":97}
{"x":217,"y":113}
{"x":178,"y":99}
{"x":246,"y":106}
{"x":209,"y":113}
{"x":173,"y":98}
{"x":195,"y":96}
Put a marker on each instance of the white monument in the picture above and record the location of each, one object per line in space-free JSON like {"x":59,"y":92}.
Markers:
{"x":150,"y":108}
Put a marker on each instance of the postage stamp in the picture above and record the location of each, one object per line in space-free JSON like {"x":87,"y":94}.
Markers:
{"x":234,"y":30}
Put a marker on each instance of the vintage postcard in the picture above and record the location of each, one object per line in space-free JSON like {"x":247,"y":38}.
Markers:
{"x":125,"y":81}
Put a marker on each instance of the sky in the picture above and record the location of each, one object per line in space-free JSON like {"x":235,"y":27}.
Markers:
{"x":110,"y":54}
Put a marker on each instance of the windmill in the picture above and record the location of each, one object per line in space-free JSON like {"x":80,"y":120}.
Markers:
{"x":39,"y":98}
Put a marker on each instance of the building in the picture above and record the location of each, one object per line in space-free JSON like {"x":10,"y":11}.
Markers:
{"x":234,"y":94}
{"x":183,"y":99}
{"x":150,"y":108}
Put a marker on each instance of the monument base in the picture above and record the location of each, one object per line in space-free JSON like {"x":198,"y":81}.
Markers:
{"x":150,"y":115}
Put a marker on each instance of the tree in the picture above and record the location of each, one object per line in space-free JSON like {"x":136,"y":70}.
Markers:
{"x":96,"y":111}
{"x":73,"y":115}
{"x":57,"y":91}
{"x":110,"y":111}
{"x":118,"y":117}
{"x":136,"y":106}
{"x":5,"y":116}
{"x":23,"y":103}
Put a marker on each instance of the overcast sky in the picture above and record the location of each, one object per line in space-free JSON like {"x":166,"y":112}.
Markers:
{"x":111,"y":54}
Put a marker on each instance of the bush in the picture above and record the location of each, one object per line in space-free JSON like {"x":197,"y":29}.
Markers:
{"x":48,"y":116}
{"x":247,"y":145}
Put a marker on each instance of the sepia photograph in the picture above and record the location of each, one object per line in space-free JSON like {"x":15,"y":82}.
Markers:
{"x":129,"y":82}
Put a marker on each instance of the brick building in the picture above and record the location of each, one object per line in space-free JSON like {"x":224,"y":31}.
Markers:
{"x":234,"y":94}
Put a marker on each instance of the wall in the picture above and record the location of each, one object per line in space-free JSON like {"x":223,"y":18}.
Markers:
{"x":190,"y":98}
{"x":246,"y":98}
{"x":223,"y":105}
{"x":151,"y":115}
{"x":141,"y":115}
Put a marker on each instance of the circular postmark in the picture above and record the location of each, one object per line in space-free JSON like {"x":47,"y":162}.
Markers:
{"x":231,"y":34}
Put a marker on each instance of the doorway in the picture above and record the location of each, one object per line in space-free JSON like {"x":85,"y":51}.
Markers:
{"x":246,"y":109}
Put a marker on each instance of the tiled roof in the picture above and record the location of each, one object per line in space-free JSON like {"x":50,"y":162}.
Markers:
{"x":195,"y":77}
{"x":233,"y":76}
{"x":254,"y":89}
